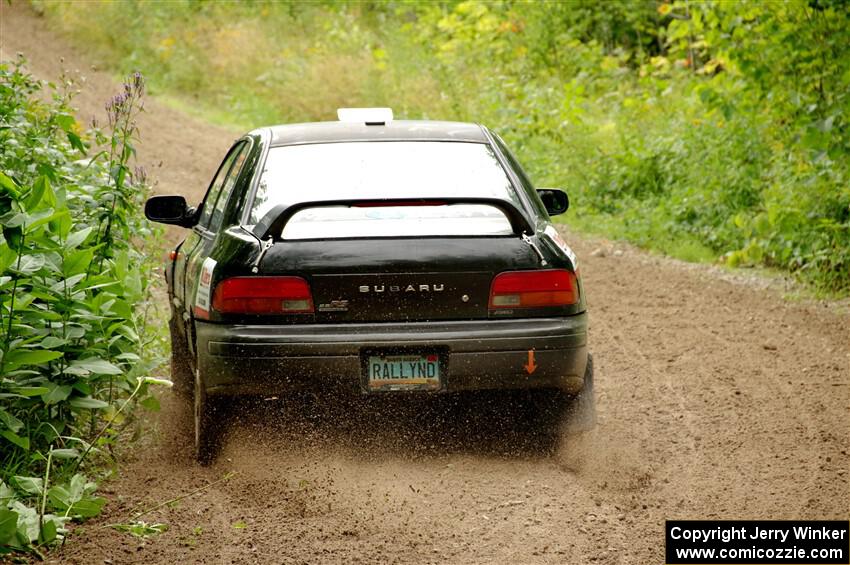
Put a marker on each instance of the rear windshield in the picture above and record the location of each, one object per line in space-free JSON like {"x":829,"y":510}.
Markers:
{"x":380,"y":170}
{"x":392,"y":221}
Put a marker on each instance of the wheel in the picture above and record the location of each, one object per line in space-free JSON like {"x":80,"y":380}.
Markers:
{"x":182,"y":374}
{"x":208,"y":423}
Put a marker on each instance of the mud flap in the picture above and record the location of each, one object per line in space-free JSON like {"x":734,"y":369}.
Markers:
{"x":181,"y":367}
{"x":209,"y":419}
{"x":581,"y":412}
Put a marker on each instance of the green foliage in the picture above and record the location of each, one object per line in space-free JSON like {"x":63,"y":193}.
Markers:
{"x":701,"y":129}
{"x":74,"y":301}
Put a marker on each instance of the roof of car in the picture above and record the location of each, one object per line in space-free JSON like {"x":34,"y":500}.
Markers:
{"x":396,"y":130}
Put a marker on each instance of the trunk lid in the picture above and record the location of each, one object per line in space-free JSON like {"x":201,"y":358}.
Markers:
{"x":398,"y":279}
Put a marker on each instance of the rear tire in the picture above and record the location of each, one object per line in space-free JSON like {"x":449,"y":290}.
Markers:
{"x":208,"y":423}
{"x":182,"y":374}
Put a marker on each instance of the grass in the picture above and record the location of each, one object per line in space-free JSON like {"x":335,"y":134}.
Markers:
{"x":685,"y":249}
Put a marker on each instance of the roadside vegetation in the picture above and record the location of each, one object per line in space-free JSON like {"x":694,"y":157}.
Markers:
{"x":76,"y":310}
{"x":712,"y":131}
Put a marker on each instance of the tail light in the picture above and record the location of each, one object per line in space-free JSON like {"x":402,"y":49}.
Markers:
{"x":263,"y":295}
{"x":534,"y":289}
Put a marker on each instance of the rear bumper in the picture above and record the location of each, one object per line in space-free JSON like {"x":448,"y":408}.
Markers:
{"x":481,"y":354}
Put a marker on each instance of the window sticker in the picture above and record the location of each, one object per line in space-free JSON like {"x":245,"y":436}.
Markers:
{"x":559,"y":241}
{"x":202,"y":296}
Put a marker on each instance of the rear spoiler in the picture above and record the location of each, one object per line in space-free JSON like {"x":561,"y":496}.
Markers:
{"x":273,"y":222}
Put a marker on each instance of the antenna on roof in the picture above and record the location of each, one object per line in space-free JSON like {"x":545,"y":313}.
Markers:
{"x":369,"y":116}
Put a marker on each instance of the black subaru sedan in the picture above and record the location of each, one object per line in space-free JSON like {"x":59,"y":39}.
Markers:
{"x":382,"y":256}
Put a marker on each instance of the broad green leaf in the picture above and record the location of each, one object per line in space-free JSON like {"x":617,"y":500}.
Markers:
{"x":77,"y":261}
{"x":80,"y":486}
{"x":6,"y":494}
{"x":119,"y":174}
{"x":23,"y":303}
{"x":9,"y":185}
{"x":46,"y":217}
{"x":30,"y":485}
{"x":33,"y":199}
{"x":76,"y":498}
{"x":77,"y":237}
{"x":49,"y":198}
{"x":28,"y":391}
{"x":68,"y":284}
{"x":65,"y":121}
{"x":31,"y":356}
{"x":97,"y":366}
{"x":10,"y":421}
{"x":14,"y":238}
{"x":83,"y":387}
{"x":126,"y":330}
{"x":7,"y":257}
{"x":52,"y":341}
{"x":88,"y":507}
{"x":29,"y":523}
{"x":22,"y":442}
{"x":75,"y":331}
{"x":14,"y":219}
{"x":88,"y":402}
{"x":60,"y":497}
{"x":30,"y":264}
{"x":48,"y":531}
{"x":76,"y":142}
{"x":56,"y":393}
{"x":8,"y":525}
{"x":128,"y":356}
{"x":62,"y":225}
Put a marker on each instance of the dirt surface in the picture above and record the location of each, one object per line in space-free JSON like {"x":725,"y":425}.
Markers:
{"x":717,"y":399}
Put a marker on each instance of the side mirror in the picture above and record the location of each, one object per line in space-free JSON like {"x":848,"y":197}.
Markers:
{"x":170,"y":210}
{"x":555,"y":200}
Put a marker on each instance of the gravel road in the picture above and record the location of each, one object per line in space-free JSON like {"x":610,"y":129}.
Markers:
{"x":718,"y":398}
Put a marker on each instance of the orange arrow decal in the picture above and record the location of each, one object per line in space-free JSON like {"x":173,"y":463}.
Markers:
{"x":530,"y":367}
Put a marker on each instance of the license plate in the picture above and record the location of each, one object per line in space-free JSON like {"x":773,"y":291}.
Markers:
{"x":403,"y":372}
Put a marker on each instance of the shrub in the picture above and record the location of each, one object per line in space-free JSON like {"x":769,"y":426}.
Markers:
{"x":75,"y":301}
